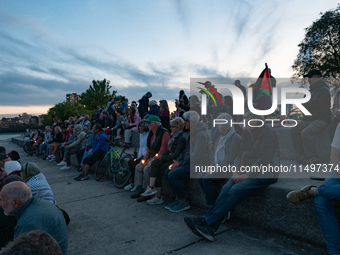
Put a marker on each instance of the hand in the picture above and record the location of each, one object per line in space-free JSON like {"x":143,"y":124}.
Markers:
{"x":174,"y":165}
{"x":239,"y":178}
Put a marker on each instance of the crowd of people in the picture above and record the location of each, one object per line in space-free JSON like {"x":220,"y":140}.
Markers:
{"x":170,"y":145}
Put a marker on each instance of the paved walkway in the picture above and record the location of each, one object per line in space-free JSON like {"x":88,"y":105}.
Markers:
{"x":105,"y":220}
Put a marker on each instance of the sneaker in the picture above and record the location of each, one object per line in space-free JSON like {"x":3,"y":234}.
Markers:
{"x":80,"y":169}
{"x":143,"y":199}
{"x":170,"y":205}
{"x":134,"y":188}
{"x":137,"y":193}
{"x":51,"y":159}
{"x":118,"y":137}
{"x":128,"y":187}
{"x":298,"y":196}
{"x":62,"y":163}
{"x":155,"y":201}
{"x":65,"y":168}
{"x":206,"y":232}
{"x":149,"y":192}
{"x":78,"y":177}
{"x":179,"y":207}
{"x":83,"y":178}
{"x":190,"y":222}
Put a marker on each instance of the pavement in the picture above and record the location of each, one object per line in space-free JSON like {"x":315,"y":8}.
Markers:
{"x":105,"y":220}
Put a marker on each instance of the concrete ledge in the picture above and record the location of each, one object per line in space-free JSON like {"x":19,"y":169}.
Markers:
{"x":270,"y":209}
{"x":19,"y":141}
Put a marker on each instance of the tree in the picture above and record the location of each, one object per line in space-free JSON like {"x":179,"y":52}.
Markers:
{"x":97,"y":94}
{"x":320,"y":49}
{"x":65,"y":110}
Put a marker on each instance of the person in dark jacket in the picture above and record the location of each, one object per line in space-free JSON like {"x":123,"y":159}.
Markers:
{"x":144,"y":104}
{"x":100,"y":147}
{"x":194,"y":105}
{"x":176,"y":145}
{"x":197,"y":152}
{"x":33,"y":213}
{"x":226,"y":146}
{"x":183,"y":99}
{"x":319,"y":106}
{"x":259,"y":146}
{"x":154,"y":109}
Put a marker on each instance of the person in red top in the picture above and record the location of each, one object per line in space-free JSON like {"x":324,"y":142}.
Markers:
{"x":164,"y":114}
{"x":157,"y":145}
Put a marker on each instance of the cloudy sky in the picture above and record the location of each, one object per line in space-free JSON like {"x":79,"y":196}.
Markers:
{"x":51,"y":48}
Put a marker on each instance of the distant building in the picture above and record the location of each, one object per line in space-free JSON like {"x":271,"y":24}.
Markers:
{"x":34,"y":120}
{"x":24,"y":118}
{"x":71,"y":98}
{"x":6,"y":122}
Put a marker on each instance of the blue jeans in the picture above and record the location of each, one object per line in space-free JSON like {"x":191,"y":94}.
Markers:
{"x":210,"y":186}
{"x":174,"y":178}
{"x":231,"y":195}
{"x":44,"y":148}
{"x":328,"y":193}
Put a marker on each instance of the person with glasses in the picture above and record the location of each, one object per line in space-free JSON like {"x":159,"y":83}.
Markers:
{"x":176,"y":146}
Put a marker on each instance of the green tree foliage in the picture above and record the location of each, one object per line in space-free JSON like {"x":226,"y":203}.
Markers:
{"x":97,"y":94}
{"x":65,"y":110}
{"x":320,"y":49}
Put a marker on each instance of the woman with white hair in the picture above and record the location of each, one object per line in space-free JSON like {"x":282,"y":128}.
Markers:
{"x":227,"y":147}
{"x":154,"y":109}
{"x":198,"y":152}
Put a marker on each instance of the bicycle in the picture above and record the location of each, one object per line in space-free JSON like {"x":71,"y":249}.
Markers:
{"x":117,"y":163}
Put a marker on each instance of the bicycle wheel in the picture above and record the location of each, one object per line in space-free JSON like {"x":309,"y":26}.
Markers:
{"x":102,"y":167}
{"x":27,"y":147}
{"x":122,"y":173}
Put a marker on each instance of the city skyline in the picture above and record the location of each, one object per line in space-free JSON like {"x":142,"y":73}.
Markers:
{"x":51,"y":49}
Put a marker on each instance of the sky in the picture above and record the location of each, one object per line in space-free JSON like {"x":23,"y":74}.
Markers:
{"x":51,"y":48}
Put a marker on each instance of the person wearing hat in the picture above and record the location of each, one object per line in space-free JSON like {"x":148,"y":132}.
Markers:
{"x":237,"y":83}
{"x":10,"y":168}
{"x":157,"y":144}
{"x":319,"y":106}
{"x":37,"y":182}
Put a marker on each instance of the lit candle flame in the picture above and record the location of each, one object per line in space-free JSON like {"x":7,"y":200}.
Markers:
{"x":143,"y":161}
{"x":156,"y":155}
